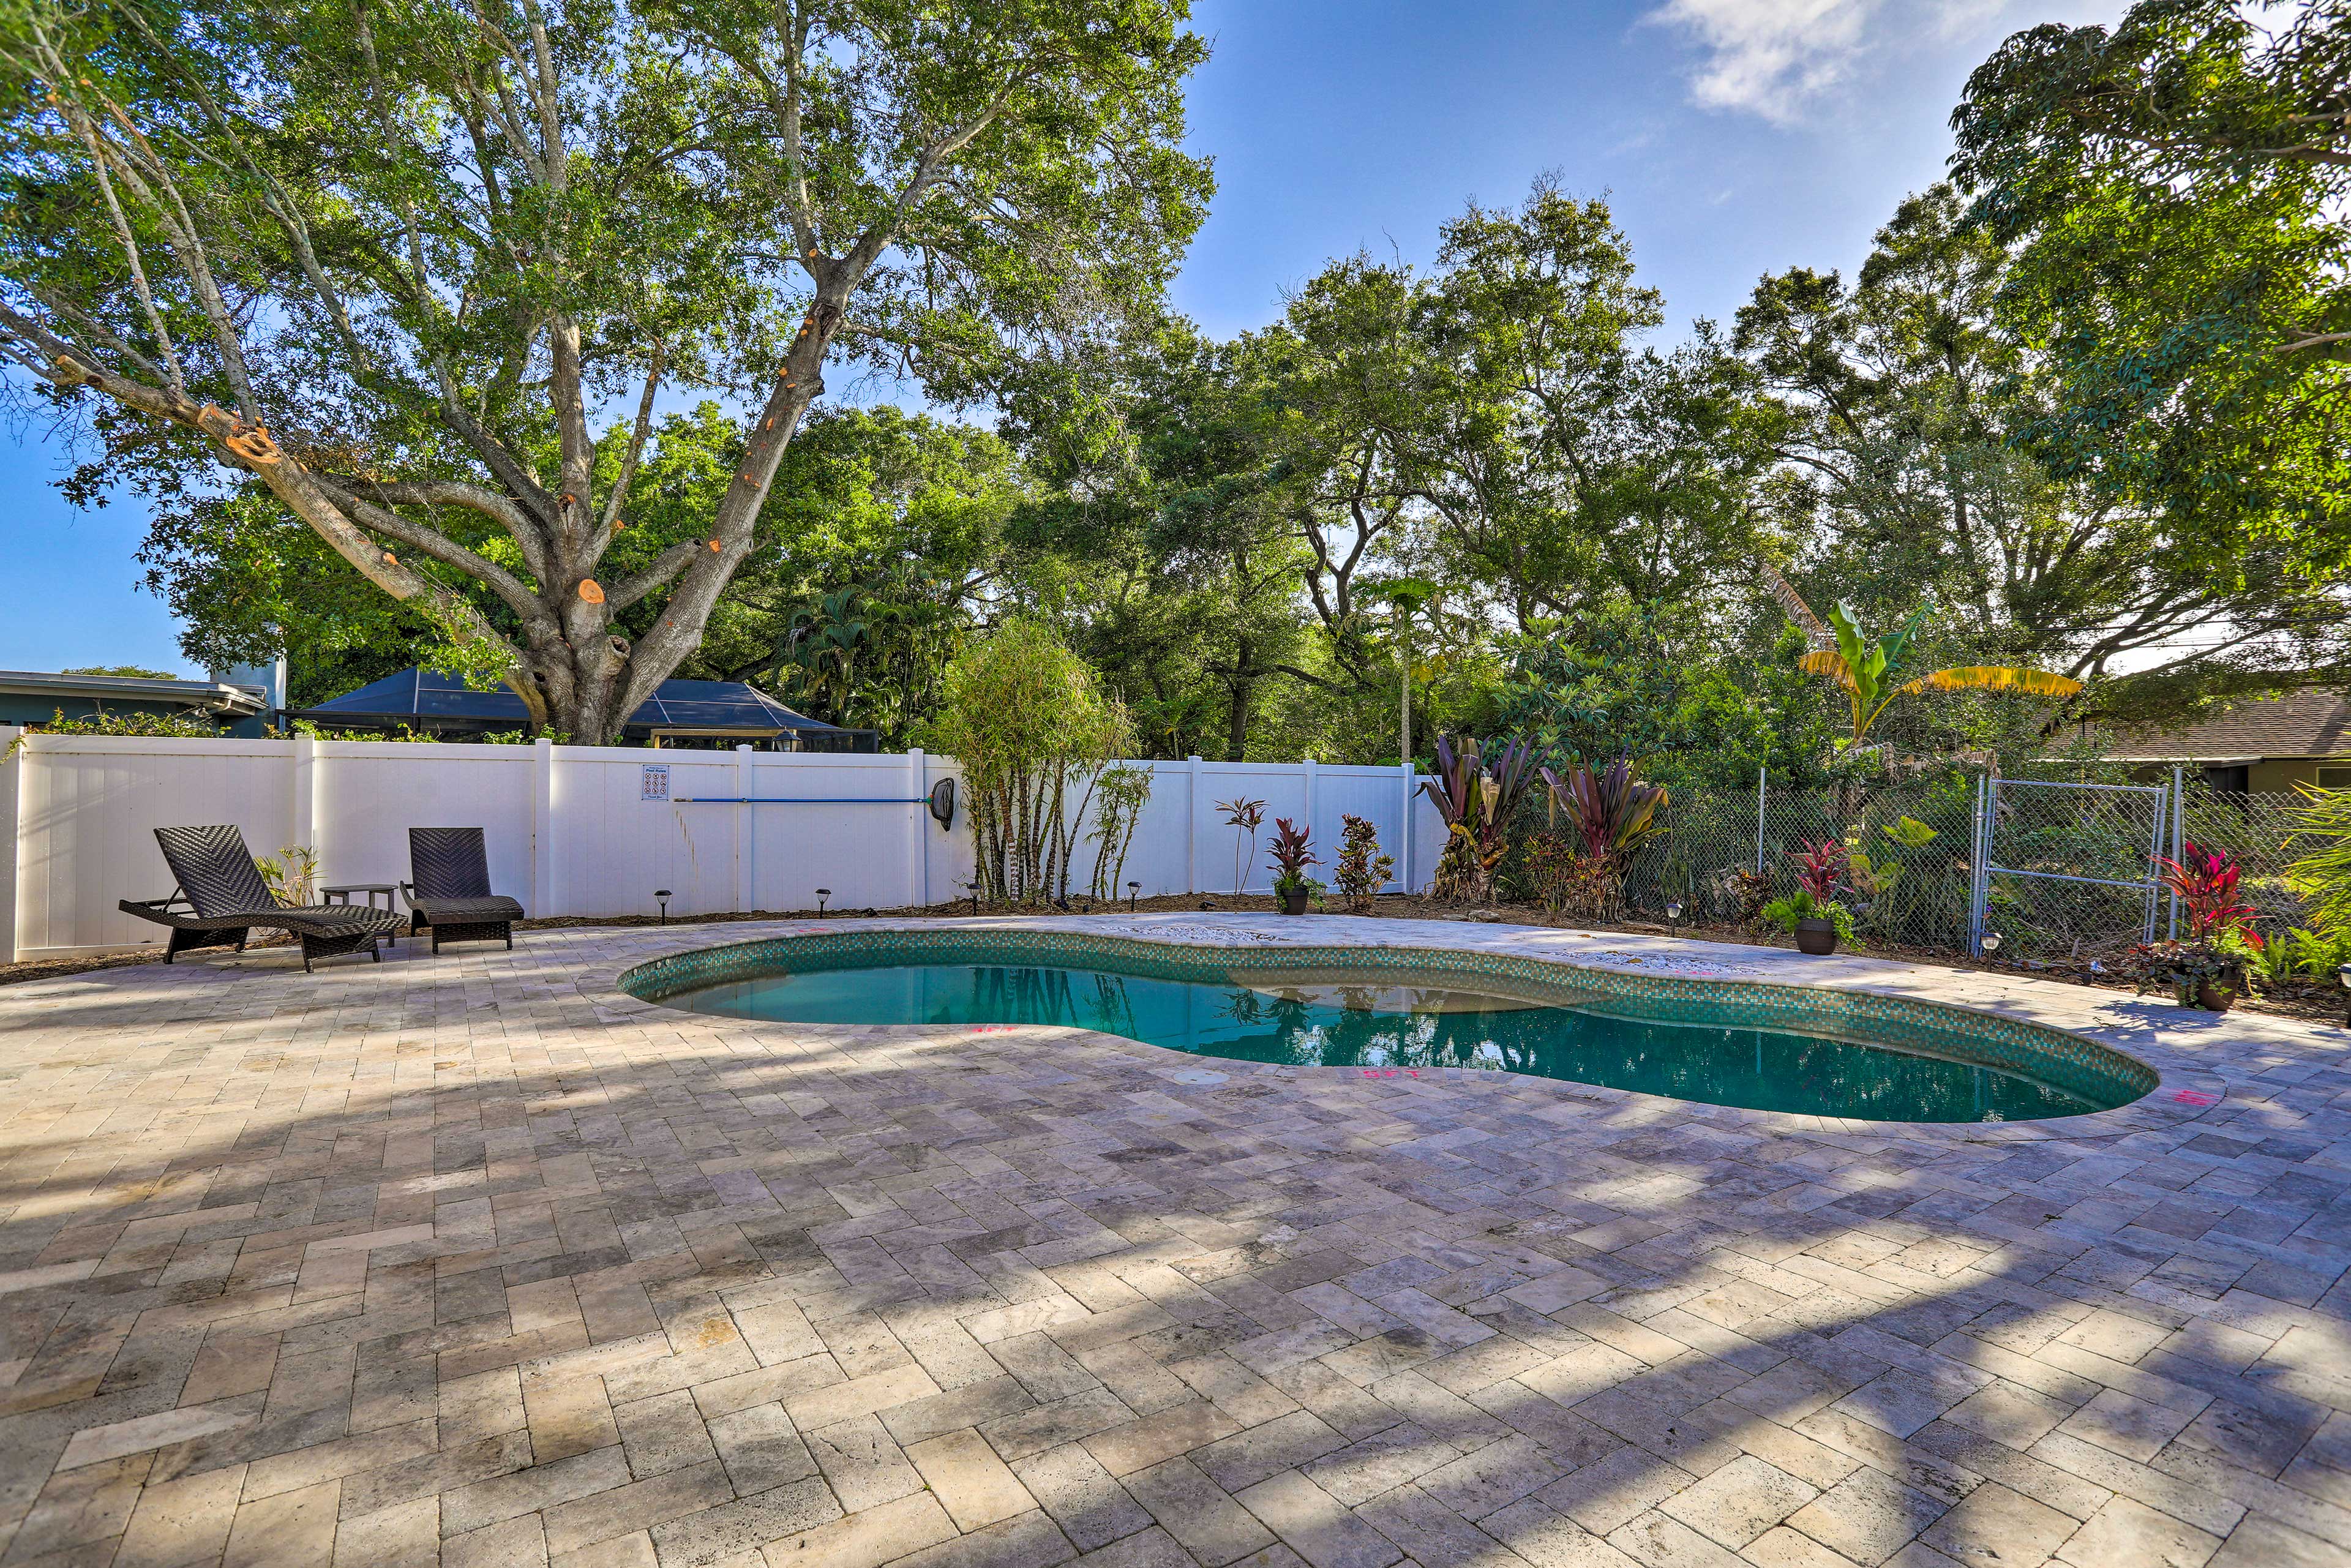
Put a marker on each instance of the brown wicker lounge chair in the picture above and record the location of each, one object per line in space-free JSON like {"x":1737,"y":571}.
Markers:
{"x":451,"y":893}
{"x":226,"y":900}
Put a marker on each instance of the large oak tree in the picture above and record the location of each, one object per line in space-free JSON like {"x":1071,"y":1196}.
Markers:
{"x":390,"y":260}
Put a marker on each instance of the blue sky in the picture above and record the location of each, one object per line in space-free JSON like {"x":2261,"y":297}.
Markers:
{"x":1733,"y":137}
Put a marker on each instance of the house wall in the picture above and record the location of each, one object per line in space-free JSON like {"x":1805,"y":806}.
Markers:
{"x":574,"y":831}
{"x":21,"y":709}
{"x":2274,"y":776}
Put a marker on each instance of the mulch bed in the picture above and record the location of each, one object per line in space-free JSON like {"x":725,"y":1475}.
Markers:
{"x":2312,"y":1001}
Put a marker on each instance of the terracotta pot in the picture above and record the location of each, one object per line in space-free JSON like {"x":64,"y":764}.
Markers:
{"x":1818,"y":937}
{"x":1294,"y":901}
{"x":2215,"y":994}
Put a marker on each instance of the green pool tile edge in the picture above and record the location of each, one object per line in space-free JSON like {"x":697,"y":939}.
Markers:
{"x":2096,"y":1071}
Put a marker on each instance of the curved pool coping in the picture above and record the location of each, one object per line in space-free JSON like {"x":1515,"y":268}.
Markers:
{"x":2188,"y":1052}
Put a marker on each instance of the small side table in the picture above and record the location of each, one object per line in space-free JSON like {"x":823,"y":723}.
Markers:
{"x":341,"y":893}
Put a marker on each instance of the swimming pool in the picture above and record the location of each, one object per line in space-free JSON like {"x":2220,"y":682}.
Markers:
{"x":1405,"y":1012}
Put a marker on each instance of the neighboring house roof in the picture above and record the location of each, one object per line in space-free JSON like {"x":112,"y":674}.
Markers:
{"x":209,"y":696}
{"x":2308,"y":723}
{"x":420,"y":694}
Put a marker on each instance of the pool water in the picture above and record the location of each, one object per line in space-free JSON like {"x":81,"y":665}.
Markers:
{"x":1378,"y":1024}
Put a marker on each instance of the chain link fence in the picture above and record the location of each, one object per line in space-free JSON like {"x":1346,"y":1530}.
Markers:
{"x":1915,"y":872}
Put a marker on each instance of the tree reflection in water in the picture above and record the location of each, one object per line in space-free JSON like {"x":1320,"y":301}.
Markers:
{"x":1385,"y":1025}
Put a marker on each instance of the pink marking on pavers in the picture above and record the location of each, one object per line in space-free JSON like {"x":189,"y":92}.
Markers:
{"x":2196,"y":1097}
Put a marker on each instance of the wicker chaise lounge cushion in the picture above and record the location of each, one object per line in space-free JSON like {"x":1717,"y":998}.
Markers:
{"x":489,"y":911}
{"x":218,"y":874}
{"x":451,"y":890}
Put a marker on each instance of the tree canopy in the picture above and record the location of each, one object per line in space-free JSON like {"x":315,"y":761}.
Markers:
{"x":387,"y":265}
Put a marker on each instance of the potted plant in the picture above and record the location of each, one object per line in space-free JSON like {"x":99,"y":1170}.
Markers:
{"x":2207,"y":967}
{"x":1289,"y":858}
{"x":1813,"y":913}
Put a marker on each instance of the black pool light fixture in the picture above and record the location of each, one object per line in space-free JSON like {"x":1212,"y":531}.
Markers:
{"x":1990,"y":942}
{"x":663,"y":893}
{"x":821,"y":894}
{"x":1133,"y":888}
{"x":1673,"y":912}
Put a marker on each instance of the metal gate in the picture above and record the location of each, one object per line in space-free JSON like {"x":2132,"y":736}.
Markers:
{"x":2062,"y":870}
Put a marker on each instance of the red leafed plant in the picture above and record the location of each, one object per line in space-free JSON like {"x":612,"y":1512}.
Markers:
{"x":1289,"y":856}
{"x":1820,"y":869}
{"x":2205,"y":882}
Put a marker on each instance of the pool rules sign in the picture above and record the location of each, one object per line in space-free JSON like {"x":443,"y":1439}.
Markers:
{"x":656,"y":782}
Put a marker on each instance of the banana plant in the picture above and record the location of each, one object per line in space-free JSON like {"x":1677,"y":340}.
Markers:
{"x":1870,"y":671}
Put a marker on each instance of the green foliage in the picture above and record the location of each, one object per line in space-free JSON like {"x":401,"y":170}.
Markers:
{"x":1624,"y":681}
{"x":1029,"y":723}
{"x":386,"y":266}
{"x":168,"y":725}
{"x":1867,"y":671}
{"x":2321,"y":871}
{"x":1800,"y":906}
{"x":2173,"y":191}
{"x":1905,"y":398}
{"x":125,"y":672}
{"x":1119,"y":795}
{"x":1612,"y":816}
{"x":291,"y":875}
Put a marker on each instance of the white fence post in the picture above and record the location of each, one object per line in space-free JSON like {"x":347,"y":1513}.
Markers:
{"x":1411,"y":772}
{"x":305,"y":825}
{"x":746,"y":884}
{"x":1192,"y":823}
{"x":918,"y":859}
{"x":12,"y":758}
{"x":542,"y":826}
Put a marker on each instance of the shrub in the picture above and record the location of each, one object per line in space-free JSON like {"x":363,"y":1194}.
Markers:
{"x":1477,"y":794}
{"x":1363,"y":870}
{"x":1612,"y":816}
{"x":2322,"y":873}
{"x":1030,"y":724}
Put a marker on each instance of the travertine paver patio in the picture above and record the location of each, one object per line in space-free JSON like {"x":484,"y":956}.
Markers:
{"x":475,"y":1258}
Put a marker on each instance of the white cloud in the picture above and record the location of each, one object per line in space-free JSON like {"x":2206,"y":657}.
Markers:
{"x":1774,"y":58}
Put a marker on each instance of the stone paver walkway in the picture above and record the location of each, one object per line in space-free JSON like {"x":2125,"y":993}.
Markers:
{"x":475,"y":1260}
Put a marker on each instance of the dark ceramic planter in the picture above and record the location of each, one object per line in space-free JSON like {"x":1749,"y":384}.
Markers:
{"x":1818,"y":937}
{"x":2216,"y":994}
{"x":1294,"y":903}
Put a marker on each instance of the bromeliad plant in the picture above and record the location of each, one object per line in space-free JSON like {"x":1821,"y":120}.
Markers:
{"x":1477,"y":794}
{"x":1613,"y":815}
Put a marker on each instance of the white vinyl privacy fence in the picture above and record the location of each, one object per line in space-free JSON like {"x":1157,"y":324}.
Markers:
{"x":595,"y":830}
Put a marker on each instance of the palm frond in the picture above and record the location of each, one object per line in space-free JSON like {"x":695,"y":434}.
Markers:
{"x":1816,"y":631}
{"x":1997,"y":678}
{"x":1830,"y":662}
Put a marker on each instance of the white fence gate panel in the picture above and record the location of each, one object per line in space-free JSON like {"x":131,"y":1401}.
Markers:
{"x":576,"y":830}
